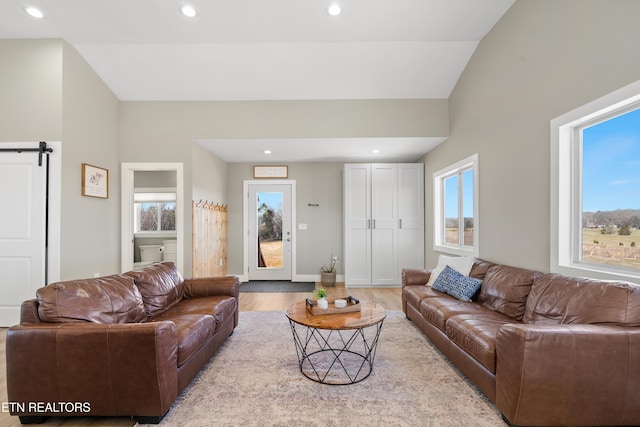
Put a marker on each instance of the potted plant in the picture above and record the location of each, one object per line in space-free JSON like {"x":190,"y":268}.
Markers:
{"x":328,"y":273}
{"x":321,"y":294}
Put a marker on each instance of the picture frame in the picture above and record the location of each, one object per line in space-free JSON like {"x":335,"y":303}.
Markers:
{"x":270,"y":171}
{"x":95,"y":181}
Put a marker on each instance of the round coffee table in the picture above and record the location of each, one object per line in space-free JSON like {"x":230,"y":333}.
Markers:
{"x":336,"y":348}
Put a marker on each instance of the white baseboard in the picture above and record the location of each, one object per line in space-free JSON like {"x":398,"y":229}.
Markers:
{"x":372,"y":286}
{"x":313,"y":278}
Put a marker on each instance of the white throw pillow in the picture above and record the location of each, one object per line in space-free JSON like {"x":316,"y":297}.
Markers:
{"x":462,"y":264}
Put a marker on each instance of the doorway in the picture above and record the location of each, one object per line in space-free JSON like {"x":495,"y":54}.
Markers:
{"x":129,"y":208}
{"x":270,"y":236}
{"x":29,"y":223}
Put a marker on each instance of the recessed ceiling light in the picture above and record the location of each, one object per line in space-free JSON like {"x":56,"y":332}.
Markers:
{"x":334,"y":9}
{"x":188,"y":11}
{"x":267,"y":151}
{"x":34,"y":11}
{"x":375,"y":151}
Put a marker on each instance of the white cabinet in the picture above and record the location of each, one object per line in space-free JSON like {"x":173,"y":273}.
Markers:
{"x":410,"y":216}
{"x":383,"y":222}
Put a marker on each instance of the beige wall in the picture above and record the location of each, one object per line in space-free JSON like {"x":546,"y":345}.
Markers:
{"x":316,"y":183}
{"x":90,"y":226}
{"x":542,"y":59}
{"x":51,"y":94}
{"x":545,"y":57}
{"x":209,"y":179}
{"x":166,"y":131}
{"x":31,"y":88}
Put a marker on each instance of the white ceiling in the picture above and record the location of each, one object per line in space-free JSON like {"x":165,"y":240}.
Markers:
{"x":392,"y":150}
{"x":267,"y":50}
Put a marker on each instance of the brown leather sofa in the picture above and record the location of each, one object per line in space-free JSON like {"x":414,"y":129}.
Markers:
{"x":549,"y":350}
{"x":121,"y":345}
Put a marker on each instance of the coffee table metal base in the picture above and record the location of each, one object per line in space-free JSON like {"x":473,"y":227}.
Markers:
{"x":336,"y":357}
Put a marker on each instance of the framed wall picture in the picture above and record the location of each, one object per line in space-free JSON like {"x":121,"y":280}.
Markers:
{"x":270,"y":171}
{"x":95,"y":181}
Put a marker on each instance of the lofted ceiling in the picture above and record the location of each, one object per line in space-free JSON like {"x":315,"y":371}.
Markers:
{"x":268,"y":50}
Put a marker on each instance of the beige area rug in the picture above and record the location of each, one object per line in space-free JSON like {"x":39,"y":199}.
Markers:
{"x":254,"y":380}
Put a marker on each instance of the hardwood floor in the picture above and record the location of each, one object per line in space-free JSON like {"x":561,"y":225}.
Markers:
{"x":389,"y":298}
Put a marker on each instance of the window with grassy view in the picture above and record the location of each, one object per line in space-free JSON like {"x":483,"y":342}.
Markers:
{"x":610,"y":190}
{"x":455,"y":208}
{"x":595,"y":197}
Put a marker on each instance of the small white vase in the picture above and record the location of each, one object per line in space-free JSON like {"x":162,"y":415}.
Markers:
{"x":323,"y":303}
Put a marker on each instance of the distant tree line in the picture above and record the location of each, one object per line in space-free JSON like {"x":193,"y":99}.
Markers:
{"x":453,"y":223}
{"x":149,"y":216}
{"x":614,"y":221}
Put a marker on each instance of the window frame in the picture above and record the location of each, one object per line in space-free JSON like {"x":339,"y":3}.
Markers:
{"x":439,"y":224}
{"x":566,"y":184}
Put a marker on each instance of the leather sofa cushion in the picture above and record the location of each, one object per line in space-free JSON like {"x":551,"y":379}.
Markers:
{"x":193,"y":330}
{"x":480,"y":268}
{"x":505,"y":290}
{"x":109,"y":299}
{"x":414,"y":294}
{"x":161,"y":286}
{"x":220,"y":307}
{"x":438,"y":309}
{"x":476,"y":334}
{"x":558,"y":299}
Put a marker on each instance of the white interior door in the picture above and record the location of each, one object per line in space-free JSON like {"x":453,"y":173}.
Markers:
{"x":384,"y":225}
{"x":269,"y":230}
{"x":22,"y":231}
{"x":357,"y":224}
{"x":411,"y":215}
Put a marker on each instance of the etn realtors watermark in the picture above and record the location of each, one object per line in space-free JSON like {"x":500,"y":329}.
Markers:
{"x":46,"y":407}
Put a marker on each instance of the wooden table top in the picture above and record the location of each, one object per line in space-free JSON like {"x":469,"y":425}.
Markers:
{"x":370,"y":313}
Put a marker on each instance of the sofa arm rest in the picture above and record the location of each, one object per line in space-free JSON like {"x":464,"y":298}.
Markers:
{"x":415,"y":276}
{"x":568,"y":374}
{"x":29,"y":312}
{"x":102,"y":369}
{"x":212,"y":286}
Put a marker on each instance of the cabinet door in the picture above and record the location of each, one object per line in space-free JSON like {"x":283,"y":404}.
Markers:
{"x":411,"y":215}
{"x":357,"y":222}
{"x":384,"y":225}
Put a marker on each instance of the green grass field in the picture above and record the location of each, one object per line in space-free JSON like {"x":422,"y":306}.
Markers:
{"x":611,"y":249}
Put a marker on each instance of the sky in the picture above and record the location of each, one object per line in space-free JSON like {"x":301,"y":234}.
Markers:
{"x":273,"y":200}
{"x":451,"y":195}
{"x":611,"y":164}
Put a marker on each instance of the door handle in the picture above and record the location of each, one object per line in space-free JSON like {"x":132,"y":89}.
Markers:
{"x":400,"y":222}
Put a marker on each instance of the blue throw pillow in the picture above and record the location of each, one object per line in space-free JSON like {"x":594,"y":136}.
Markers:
{"x":456,"y":284}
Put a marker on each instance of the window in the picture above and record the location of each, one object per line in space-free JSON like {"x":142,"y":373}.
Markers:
{"x":595,"y":204}
{"x":155,"y":213}
{"x":456,"y":208}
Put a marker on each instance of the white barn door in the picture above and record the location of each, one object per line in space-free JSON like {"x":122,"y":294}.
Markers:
{"x":22,"y":231}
